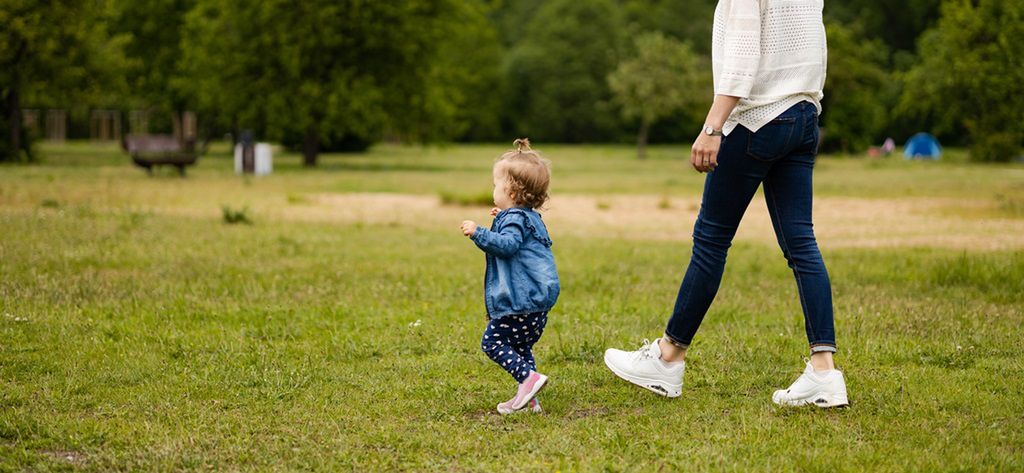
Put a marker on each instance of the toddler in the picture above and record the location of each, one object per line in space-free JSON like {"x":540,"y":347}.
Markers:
{"x":521,"y":282}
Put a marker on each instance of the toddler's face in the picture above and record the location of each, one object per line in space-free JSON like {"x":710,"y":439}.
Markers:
{"x":502,"y":199}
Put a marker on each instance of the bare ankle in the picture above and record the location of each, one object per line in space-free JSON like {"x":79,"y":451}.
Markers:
{"x":822,"y":361}
{"x":671,"y":352}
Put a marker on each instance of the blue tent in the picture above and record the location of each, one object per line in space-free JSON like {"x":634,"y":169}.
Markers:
{"x":923,"y":146}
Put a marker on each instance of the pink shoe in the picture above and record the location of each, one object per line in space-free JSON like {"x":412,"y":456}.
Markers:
{"x":505,"y":408}
{"x":528,"y":389}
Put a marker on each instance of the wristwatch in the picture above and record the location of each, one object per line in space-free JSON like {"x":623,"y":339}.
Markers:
{"x":711,"y":131}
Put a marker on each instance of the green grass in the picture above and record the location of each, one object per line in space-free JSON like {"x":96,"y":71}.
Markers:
{"x":136,"y":334}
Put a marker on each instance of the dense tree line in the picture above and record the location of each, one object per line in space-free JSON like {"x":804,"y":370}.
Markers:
{"x":335,"y":75}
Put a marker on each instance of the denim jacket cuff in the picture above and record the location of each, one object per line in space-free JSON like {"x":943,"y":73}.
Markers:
{"x":477,"y":233}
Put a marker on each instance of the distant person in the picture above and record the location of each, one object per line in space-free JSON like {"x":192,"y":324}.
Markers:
{"x":888,"y":146}
{"x":521,"y":282}
{"x":768,"y":61}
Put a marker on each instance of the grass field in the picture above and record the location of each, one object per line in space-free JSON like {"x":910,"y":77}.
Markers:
{"x":340,"y":329}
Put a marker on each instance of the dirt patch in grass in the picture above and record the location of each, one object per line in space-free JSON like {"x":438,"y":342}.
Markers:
{"x":840,"y":222}
{"x":588,"y":412}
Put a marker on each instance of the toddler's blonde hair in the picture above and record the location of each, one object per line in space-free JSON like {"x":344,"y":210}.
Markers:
{"x":527,"y":174}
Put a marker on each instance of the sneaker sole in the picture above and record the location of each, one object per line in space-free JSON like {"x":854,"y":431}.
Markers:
{"x":654,"y":386}
{"x":506,"y":412}
{"x":823,"y":401}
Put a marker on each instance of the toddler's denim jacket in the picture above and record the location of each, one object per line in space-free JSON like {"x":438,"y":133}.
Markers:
{"x":521,"y":277}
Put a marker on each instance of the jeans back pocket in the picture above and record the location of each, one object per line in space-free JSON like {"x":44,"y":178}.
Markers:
{"x":773,"y":140}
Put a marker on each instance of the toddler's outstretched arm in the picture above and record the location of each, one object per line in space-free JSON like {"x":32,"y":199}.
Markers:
{"x":502,"y":243}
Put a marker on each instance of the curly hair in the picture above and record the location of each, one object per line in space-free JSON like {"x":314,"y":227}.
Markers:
{"x":527,"y":174}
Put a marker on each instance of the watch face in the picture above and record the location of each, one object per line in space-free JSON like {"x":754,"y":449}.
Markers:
{"x":709,"y":130}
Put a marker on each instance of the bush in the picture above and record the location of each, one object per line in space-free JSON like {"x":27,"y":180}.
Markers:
{"x":232,"y":216}
{"x":481,"y":199}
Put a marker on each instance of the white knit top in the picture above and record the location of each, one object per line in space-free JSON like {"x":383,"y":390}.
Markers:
{"x":770,"y":53}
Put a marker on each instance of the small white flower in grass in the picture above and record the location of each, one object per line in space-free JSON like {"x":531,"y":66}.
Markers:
{"x":15,"y":318}
{"x":416,"y":323}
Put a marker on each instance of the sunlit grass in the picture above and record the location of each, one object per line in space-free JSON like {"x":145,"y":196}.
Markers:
{"x":139,"y":334}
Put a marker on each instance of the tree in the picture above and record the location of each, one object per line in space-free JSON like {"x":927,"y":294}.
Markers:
{"x":53,"y":54}
{"x":557,"y":74}
{"x":153,"y":47}
{"x":689,"y":21}
{"x":858,"y":90}
{"x":322,"y":68}
{"x":664,"y":76}
{"x":465,"y":81}
{"x":896,"y":24}
{"x":970,"y":74}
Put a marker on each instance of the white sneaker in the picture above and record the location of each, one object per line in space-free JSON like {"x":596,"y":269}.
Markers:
{"x":818,"y":388}
{"x":644,"y":368}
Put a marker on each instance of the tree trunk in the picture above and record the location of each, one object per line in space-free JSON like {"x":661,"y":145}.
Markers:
{"x":235,"y":132}
{"x":176,"y":125}
{"x":310,"y":146}
{"x":13,"y":105}
{"x":641,"y":140}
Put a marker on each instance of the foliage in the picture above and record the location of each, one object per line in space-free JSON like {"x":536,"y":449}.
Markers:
{"x":557,"y":74}
{"x":465,"y":82}
{"x":688,"y":21}
{"x":858,"y":90}
{"x":153,"y":48}
{"x":663,"y":77}
{"x":483,"y":198}
{"x":322,"y":75}
{"x":970,"y":74}
{"x":895,"y":24}
{"x":321,"y":68}
{"x":54,"y":54}
{"x":235,"y":216}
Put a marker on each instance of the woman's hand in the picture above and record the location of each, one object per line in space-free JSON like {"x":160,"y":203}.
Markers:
{"x":468,"y":227}
{"x":495,"y":211}
{"x":704,"y":153}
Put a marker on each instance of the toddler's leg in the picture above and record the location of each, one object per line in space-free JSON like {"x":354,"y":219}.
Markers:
{"x":529,"y":329}
{"x":499,"y":344}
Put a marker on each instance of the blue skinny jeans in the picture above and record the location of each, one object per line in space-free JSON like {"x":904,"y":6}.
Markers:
{"x":781,"y":156}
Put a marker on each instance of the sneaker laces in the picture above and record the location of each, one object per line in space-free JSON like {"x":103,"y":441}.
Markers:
{"x":644,"y":352}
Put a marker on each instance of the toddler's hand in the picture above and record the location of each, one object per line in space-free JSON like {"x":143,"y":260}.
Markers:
{"x":468,"y":227}
{"x":494,"y":211}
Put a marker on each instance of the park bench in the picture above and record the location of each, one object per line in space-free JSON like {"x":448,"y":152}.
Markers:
{"x":154,"y":150}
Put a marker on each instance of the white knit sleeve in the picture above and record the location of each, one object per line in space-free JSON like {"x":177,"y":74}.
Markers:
{"x":741,"y":48}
